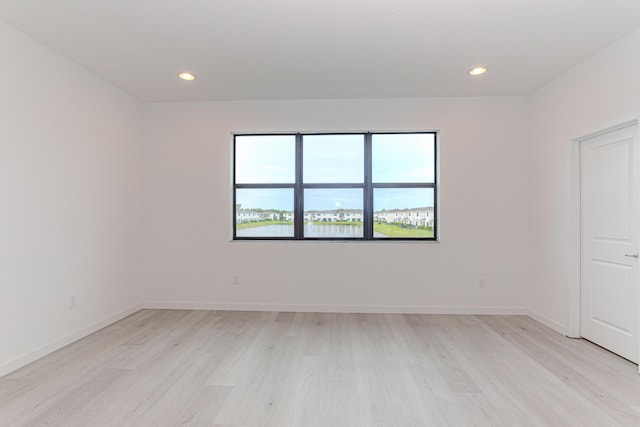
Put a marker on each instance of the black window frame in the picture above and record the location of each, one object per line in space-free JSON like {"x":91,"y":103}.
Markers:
{"x":367,"y":187}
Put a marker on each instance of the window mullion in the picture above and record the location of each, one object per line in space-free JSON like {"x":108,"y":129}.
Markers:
{"x":367,"y":206}
{"x":298,"y":197}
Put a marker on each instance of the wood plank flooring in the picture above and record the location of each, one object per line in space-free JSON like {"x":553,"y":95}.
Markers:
{"x":219,"y":368}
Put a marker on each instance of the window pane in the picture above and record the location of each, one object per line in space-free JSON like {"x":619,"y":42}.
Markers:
{"x":265,"y":159}
{"x":331,"y":213}
{"x":403,"y":212}
{"x":333,"y":158}
{"x":264,"y":212}
{"x":403,"y":157}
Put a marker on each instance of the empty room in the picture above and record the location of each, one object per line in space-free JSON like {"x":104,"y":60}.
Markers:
{"x":319,"y":213}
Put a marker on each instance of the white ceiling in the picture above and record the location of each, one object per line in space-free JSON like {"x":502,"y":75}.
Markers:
{"x":296,"y":49}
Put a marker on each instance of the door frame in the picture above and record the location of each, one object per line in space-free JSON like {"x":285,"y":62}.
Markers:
{"x":574,"y":229}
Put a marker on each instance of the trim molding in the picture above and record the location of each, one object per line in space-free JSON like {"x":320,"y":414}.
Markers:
{"x":333,"y":308}
{"x":66,"y":340}
{"x":562,"y":329}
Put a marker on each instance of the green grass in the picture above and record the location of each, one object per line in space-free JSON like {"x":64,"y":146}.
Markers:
{"x":391,"y":230}
{"x":261,"y":224}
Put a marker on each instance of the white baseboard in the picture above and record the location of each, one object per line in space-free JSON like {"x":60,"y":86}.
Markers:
{"x":558,"y":327}
{"x":333,"y":308}
{"x":66,"y":340}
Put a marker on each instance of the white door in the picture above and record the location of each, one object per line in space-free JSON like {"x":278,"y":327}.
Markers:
{"x":609,"y":235}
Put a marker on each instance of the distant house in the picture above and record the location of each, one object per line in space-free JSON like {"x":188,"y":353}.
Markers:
{"x":334,"y":215}
{"x":353,"y":215}
{"x":250,"y":215}
{"x":247,"y":215}
{"x":270,"y":215}
{"x":419,"y":217}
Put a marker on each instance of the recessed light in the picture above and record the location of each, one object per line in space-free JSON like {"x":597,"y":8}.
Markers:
{"x":187,"y":76}
{"x":476,"y":71}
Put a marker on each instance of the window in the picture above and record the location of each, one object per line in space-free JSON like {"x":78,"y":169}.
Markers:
{"x":349,"y":186}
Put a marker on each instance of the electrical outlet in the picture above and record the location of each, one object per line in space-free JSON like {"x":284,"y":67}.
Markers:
{"x":72,"y":301}
{"x":235,"y":280}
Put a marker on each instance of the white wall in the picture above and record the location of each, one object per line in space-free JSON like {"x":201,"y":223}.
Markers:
{"x":601,"y":92}
{"x":70,"y":191}
{"x":69,"y":200}
{"x":189,"y":260}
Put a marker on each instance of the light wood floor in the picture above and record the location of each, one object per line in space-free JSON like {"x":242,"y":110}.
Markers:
{"x":214,"y":368}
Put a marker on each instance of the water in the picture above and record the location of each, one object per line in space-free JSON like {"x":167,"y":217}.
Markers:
{"x":276,"y":230}
{"x":316,"y":231}
{"x":323,"y":231}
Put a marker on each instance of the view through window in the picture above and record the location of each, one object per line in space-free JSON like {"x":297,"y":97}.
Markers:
{"x":363,"y":186}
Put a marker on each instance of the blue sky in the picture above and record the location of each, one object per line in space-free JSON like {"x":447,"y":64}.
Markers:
{"x":334,"y":159}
